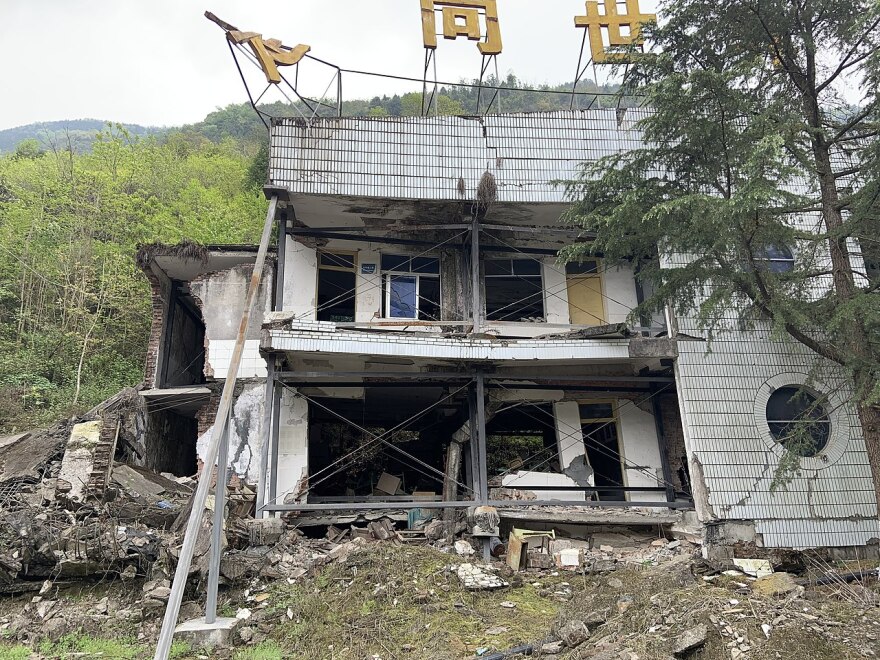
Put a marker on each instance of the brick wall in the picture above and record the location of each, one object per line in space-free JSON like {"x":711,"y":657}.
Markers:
{"x":154,"y":345}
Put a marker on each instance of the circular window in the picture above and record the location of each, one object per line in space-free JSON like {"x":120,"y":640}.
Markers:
{"x":777,"y":258}
{"x":798,"y":420}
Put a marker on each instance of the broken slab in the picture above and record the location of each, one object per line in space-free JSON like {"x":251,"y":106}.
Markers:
{"x":475,"y":578}
{"x":135,"y":482}
{"x":79,"y":458}
{"x":202,"y":635}
{"x":689,"y":641}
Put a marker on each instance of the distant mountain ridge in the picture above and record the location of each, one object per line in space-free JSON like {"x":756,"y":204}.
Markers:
{"x":81,"y":133}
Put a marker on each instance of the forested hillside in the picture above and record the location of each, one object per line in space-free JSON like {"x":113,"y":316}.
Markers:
{"x":74,"y":309}
{"x":76,"y":133}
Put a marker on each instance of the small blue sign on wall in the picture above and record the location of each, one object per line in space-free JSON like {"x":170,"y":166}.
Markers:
{"x":368,"y":269}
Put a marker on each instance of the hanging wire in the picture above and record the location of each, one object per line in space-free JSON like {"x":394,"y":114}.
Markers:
{"x":375,"y":438}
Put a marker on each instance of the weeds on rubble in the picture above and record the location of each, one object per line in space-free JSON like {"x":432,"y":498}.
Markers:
{"x":648,"y":608}
{"x":90,"y":646}
{"x":17,"y":652}
{"x":263,"y":651}
{"x":387,"y":598}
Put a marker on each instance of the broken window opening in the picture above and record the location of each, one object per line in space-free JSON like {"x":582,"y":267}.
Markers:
{"x":517,"y":440}
{"x":602,"y":442}
{"x":411,"y":287}
{"x":184,"y":341}
{"x":337,"y":285}
{"x":359,"y":461}
{"x":514,"y":290}
{"x":169,"y":444}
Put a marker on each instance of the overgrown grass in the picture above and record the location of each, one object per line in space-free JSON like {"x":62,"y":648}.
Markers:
{"x":121,"y":649}
{"x":388,"y":598}
{"x":17,"y":652}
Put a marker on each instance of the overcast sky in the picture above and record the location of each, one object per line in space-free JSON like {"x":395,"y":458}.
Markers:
{"x":161,"y":63}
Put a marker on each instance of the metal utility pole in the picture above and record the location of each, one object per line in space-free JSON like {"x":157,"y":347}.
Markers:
{"x":163,"y":647}
{"x":217,"y":527}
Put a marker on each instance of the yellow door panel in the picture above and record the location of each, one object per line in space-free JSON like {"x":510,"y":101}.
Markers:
{"x":585,"y":302}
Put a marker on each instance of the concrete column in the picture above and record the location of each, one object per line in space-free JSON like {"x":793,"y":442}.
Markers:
{"x":293,"y":443}
{"x":368,"y":301}
{"x":640,"y":447}
{"x":569,"y":439}
{"x":555,"y":303}
{"x":301,"y":280}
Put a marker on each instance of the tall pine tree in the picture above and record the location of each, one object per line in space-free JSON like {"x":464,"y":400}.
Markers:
{"x":763,"y":132}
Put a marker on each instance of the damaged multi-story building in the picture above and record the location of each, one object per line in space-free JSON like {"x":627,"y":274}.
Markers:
{"x":418,"y":344}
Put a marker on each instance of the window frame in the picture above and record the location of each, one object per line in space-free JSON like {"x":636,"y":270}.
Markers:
{"x":386,"y":276}
{"x":339,"y":269}
{"x":512,"y":275}
{"x":838,"y":408}
{"x":815,"y":399}
{"x":765,"y":260}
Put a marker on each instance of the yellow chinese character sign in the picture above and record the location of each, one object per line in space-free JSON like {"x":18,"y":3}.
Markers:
{"x":461,"y":18}
{"x":269,"y":52}
{"x":613,"y":21}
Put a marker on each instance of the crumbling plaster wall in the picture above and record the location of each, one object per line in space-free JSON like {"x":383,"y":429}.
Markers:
{"x":300,"y":280}
{"x":246,"y":433}
{"x":221,"y":296}
{"x":293,"y":446}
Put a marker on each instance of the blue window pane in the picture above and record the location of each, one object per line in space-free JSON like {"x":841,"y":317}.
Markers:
{"x":403,"y":303}
{"x":426,"y":265}
{"x":395,"y":262}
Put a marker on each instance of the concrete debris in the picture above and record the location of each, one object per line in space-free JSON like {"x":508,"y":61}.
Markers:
{"x":689,"y":641}
{"x":755,"y":567}
{"x":777,"y":584}
{"x":475,"y":578}
{"x":464,"y":548}
{"x":552,"y":648}
{"x":574,"y":633}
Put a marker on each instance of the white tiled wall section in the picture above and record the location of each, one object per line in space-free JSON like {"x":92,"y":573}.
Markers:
{"x":220,"y":355}
{"x":829,"y":502}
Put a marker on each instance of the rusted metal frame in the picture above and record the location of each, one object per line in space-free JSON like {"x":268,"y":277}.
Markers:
{"x":476,"y":474}
{"x":664,"y":444}
{"x":446,"y":375}
{"x":430,"y":56}
{"x":400,"y":229}
{"x":181,"y":575}
{"x":470,"y":85}
{"x":246,"y":86}
{"x":358,"y":384}
{"x":464,"y":504}
{"x":488,"y":59}
{"x":593,"y":489}
{"x":321,"y":233}
{"x":580,"y":71}
{"x":476,"y":291}
{"x":481,"y":436}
